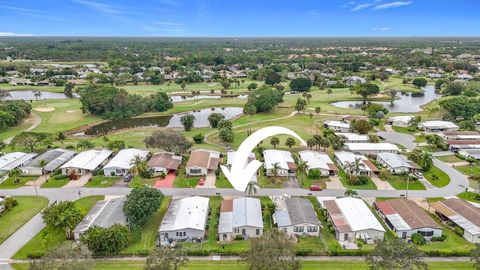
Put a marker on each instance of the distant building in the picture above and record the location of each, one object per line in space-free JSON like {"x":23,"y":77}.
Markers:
{"x":372,"y":148}
{"x":352,"y":220}
{"x":395,"y":163}
{"x":201,"y":162}
{"x":353,"y":137}
{"x":164,"y":162}
{"x":400,"y":121}
{"x":470,"y":153}
{"x":14,"y":160}
{"x":354,"y":80}
{"x":53,"y":158}
{"x":345,"y":159}
{"x":437,"y":126}
{"x":405,"y":218}
{"x":122,"y":162}
{"x":86,"y":162}
{"x":296,"y":217}
{"x":460,"y":135}
{"x":462,"y":214}
{"x":185,"y":220}
{"x":240,"y":217}
{"x":284,"y":160}
{"x":104,"y":214}
{"x":337,"y":126}
{"x":319,"y":161}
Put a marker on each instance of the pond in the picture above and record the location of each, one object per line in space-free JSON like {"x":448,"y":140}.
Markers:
{"x":170,"y":121}
{"x":406,"y":102}
{"x":178,"y":98}
{"x":30,"y":95}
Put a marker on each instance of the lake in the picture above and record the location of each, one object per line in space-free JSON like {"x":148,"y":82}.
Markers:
{"x":178,"y":98}
{"x":30,"y":95}
{"x":170,"y":121}
{"x":406,"y":102}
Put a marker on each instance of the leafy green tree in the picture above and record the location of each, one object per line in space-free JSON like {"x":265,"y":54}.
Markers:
{"x":226,"y":135}
{"x":252,"y":86}
{"x":264,"y":99}
{"x":198,"y":138}
{"x":169,"y":140}
{"x":366,"y":90}
{"x":166,"y":258}
{"x":141,"y":204}
{"x":272,"y":78}
{"x":62,"y":215}
{"x":300,"y":85}
{"x":68,"y":90}
{"x":187,"y":121}
{"x":85,"y":144}
{"x":161,"y":102}
{"x":225,"y":124}
{"x":68,"y":255}
{"x":273,"y":250}
{"x":420,"y":82}
{"x":361,"y":126}
{"x":454,"y":88}
{"x":214,"y":118}
{"x":396,"y":254}
{"x":318,"y":110}
{"x":138,"y":165}
{"x":60,"y":136}
{"x":107,"y":241}
{"x":250,"y":109}
{"x":300,"y":105}
{"x":30,"y":140}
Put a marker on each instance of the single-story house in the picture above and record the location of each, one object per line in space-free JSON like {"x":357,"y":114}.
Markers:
{"x":352,"y":220}
{"x":473,"y":153}
{"x":345,"y":159}
{"x":284,"y":160}
{"x":460,"y":135}
{"x":163,"y":162}
{"x":104,"y":214}
{"x":400,"y":121}
{"x":54,"y":158}
{"x":462,"y":214}
{"x":372,"y":148}
{"x":457,"y":145}
{"x":354,"y":80}
{"x":201,"y":161}
{"x":353,"y":137}
{"x":395,"y":163}
{"x":14,"y":160}
{"x":337,"y":126}
{"x":436,"y":126}
{"x":352,"y":118}
{"x":231,"y":158}
{"x":20,"y":81}
{"x":185,"y":220}
{"x":464,"y":77}
{"x":240,"y":217}
{"x":296,"y":217}
{"x":86,"y":162}
{"x":320,"y":161}
{"x":405,"y":218}
{"x":122,"y":162}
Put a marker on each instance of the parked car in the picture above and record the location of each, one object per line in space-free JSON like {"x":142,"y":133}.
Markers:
{"x":315,"y":188}
{"x":201,"y":182}
{"x":127,"y":177}
{"x":419,"y":175}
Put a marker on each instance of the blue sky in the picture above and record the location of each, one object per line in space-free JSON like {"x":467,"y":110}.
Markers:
{"x":240,"y":18}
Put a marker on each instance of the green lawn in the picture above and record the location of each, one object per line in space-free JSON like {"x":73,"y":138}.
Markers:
{"x":183,"y":181}
{"x":9,"y":182}
{"x":28,"y":206}
{"x":307,"y":181}
{"x":469,"y":196}
{"x":401,"y":130}
{"x":222,"y":182}
{"x":344,"y":178}
{"x":399,"y":183}
{"x":235,"y":265}
{"x":99,"y":181}
{"x":453,"y":243}
{"x":50,"y":237}
{"x":149,"y":231}
{"x":469,"y":170}
{"x":443,"y":178}
{"x":55,"y":183}
{"x":450,"y":159}
{"x":269,"y":182}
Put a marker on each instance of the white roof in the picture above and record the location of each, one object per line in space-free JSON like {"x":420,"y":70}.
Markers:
{"x":277,"y":156}
{"x":11,"y":161}
{"x":401,"y":118}
{"x":397,"y":221}
{"x":468,"y":137}
{"x":371,"y":147}
{"x":338,"y":124}
{"x":353,"y":136}
{"x":465,"y":224}
{"x":438,"y":124}
{"x":245,"y":212}
{"x":394,"y":160}
{"x":316,"y":160}
{"x":348,"y":157}
{"x":186,"y":213}
{"x":124,"y":158}
{"x":358,"y":215}
{"x":231,"y":157}
{"x":88,"y":160}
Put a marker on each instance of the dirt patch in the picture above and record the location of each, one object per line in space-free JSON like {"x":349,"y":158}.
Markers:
{"x":70,"y":111}
{"x":45,"y":109}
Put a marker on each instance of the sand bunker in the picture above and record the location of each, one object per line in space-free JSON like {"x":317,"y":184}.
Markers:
{"x":46,"y":109}
{"x":70,"y":111}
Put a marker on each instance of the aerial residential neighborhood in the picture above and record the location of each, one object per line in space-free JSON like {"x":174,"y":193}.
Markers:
{"x":284,"y":135}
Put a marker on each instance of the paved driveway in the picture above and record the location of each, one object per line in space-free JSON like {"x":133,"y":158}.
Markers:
{"x":167,"y":182}
{"x":80,"y":182}
{"x":334,"y":183}
{"x":210,"y":180}
{"x":292,"y":182}
{"x":381,"y":185}
{"x":405,"y":140}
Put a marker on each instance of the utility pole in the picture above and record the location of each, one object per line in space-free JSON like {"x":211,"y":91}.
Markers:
{"x":406,"y":192}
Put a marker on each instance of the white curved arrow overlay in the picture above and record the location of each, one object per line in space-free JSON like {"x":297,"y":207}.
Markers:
{"x":241,"y":173}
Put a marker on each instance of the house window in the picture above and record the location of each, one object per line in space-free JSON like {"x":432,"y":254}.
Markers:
{"x":404,"y":235}
{"x":312,"y":229}
{"x":257,"y":231}
{"x":236,"y":230}
{"x":243,"y":232}
{"x":184,"y":233}
{"x":195,"y":171}
{"x":297,"y":229}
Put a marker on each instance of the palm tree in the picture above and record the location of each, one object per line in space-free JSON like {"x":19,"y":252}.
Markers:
{"x":15,"y":173}
{"x":252,"y":188}
{"x":138,"y":165}
{"x":356,"y":166}
{"x":302,"y":168}
{"x":290,"y":142}
{"x":350,"y":193}
{"x":329,"y":92}
{"x":274,"y":141}
{"x":42,"y":164}
{"x":275,"y":170}
{"x":318,"y":110}
{"x":60,"y":136}
{"x":392,"y":94}
{"x":349,"y":169}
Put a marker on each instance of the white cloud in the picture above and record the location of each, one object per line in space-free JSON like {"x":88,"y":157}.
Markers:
{"x":351,"y":3}
{"x":392,"y":5}
{"x":381,"y":29}
{"x":11,"y":34}
{"x":361,"y":6}
{"x":100,"y":7}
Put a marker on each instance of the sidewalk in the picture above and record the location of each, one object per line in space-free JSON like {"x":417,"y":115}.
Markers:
{"x":39,"y":181}
{"x":80,"y":182}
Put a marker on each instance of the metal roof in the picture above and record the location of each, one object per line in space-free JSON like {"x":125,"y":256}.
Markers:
{"x":54,"y":158}
{"x":394,"y":160}
{"x":123,"y":159}
{"x":104,"y":214}
{"x":272,"y":156}
{"x":338,"y":124}
{"x":88,"y":160}
{"x":371,"y":147}
{"x":186,"y":213}
{"x":299,"y":210}
{"x":316,"y":159}
{"x":358,"y":215}
{"x":13,"y":160}
{"x":245,"y":212}
{"x":397,"y":221}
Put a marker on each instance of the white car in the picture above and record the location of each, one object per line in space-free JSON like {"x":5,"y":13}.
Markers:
{"x":418,"y":175}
